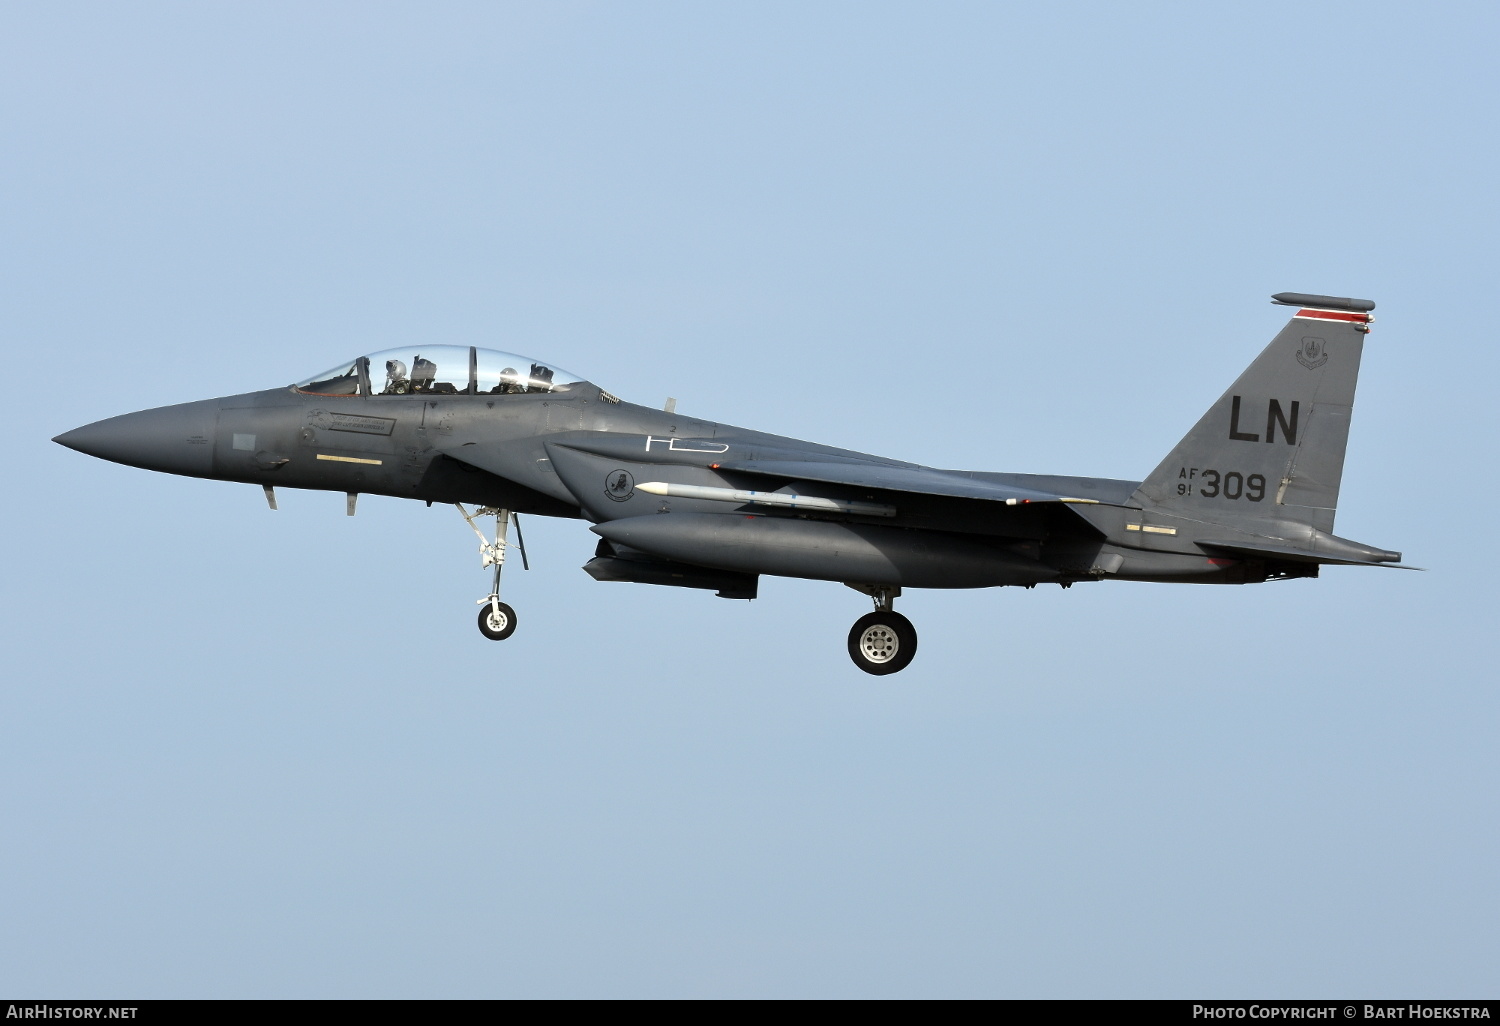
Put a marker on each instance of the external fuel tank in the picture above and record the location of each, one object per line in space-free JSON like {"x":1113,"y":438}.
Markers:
{"x":827,"y":551}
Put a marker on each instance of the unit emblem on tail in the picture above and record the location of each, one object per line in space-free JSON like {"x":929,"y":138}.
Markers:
{"x":1312,"y":355}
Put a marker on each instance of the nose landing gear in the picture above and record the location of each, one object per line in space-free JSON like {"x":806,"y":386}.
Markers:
{"x":497,"y":621}
{"x":884,"y":641}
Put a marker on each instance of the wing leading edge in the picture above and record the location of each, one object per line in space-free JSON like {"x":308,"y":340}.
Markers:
{"x":912,"y":480}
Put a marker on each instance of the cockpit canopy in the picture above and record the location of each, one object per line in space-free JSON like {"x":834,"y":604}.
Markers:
{"x":439,"y":370}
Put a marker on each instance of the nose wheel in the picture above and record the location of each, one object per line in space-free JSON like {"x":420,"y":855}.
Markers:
{"x":884,"y":641}
{"x":497,"y":621}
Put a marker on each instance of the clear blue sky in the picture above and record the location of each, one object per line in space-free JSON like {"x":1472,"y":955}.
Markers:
{"x":267,"y":754}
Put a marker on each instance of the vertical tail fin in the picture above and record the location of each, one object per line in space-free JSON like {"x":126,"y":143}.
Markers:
{"x":1273,"y":445}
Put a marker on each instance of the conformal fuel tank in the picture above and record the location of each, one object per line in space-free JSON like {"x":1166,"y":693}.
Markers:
{"x":826,"y":551}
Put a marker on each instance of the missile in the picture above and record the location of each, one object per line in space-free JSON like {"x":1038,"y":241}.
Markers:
{"x":785,"y":500}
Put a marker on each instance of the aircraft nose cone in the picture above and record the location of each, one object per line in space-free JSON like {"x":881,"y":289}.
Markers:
{"x":172,"y":439}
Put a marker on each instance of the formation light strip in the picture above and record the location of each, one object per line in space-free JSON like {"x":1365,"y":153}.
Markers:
{"x":1151,"y":529}
{"x":349,"y":459}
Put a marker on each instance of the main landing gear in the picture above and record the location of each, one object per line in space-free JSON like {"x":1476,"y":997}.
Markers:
{"x":497,"y":621}
{"x":883,"y":641}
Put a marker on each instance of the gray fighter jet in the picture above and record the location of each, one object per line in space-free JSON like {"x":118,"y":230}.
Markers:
{"x":1247,"y":496}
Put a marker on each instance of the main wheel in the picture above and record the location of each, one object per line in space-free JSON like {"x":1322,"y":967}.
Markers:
{"x":497,"y":625}
{"x":882,"y":642}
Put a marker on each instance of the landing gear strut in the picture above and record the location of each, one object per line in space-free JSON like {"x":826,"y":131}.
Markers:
{"x":883,"y":641}
{"x":497,"y":621}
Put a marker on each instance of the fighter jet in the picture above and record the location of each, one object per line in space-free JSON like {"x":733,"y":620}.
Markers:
{"x":1247,"y":496}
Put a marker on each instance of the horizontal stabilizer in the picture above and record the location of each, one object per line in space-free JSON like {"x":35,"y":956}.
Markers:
{"x":1296,"y":555}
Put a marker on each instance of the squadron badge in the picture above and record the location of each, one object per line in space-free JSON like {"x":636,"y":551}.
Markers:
{"x":619,"y":485}
{"x":1313,"y":353}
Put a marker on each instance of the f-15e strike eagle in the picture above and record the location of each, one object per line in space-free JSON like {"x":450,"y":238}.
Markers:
{"x":1247,"y":496}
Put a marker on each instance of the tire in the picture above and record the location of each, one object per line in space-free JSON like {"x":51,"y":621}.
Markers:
{"x":882,"y":642}
{"x":497,"y":628}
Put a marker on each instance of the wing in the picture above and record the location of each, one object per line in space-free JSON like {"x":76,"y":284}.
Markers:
{"x":709,"y":472}
{"x":1016,"y":506}
{"x":952,"y":484}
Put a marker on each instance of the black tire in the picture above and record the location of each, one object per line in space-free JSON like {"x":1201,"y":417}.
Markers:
{"x":882,"y":642}
{"x":497,"y":628}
